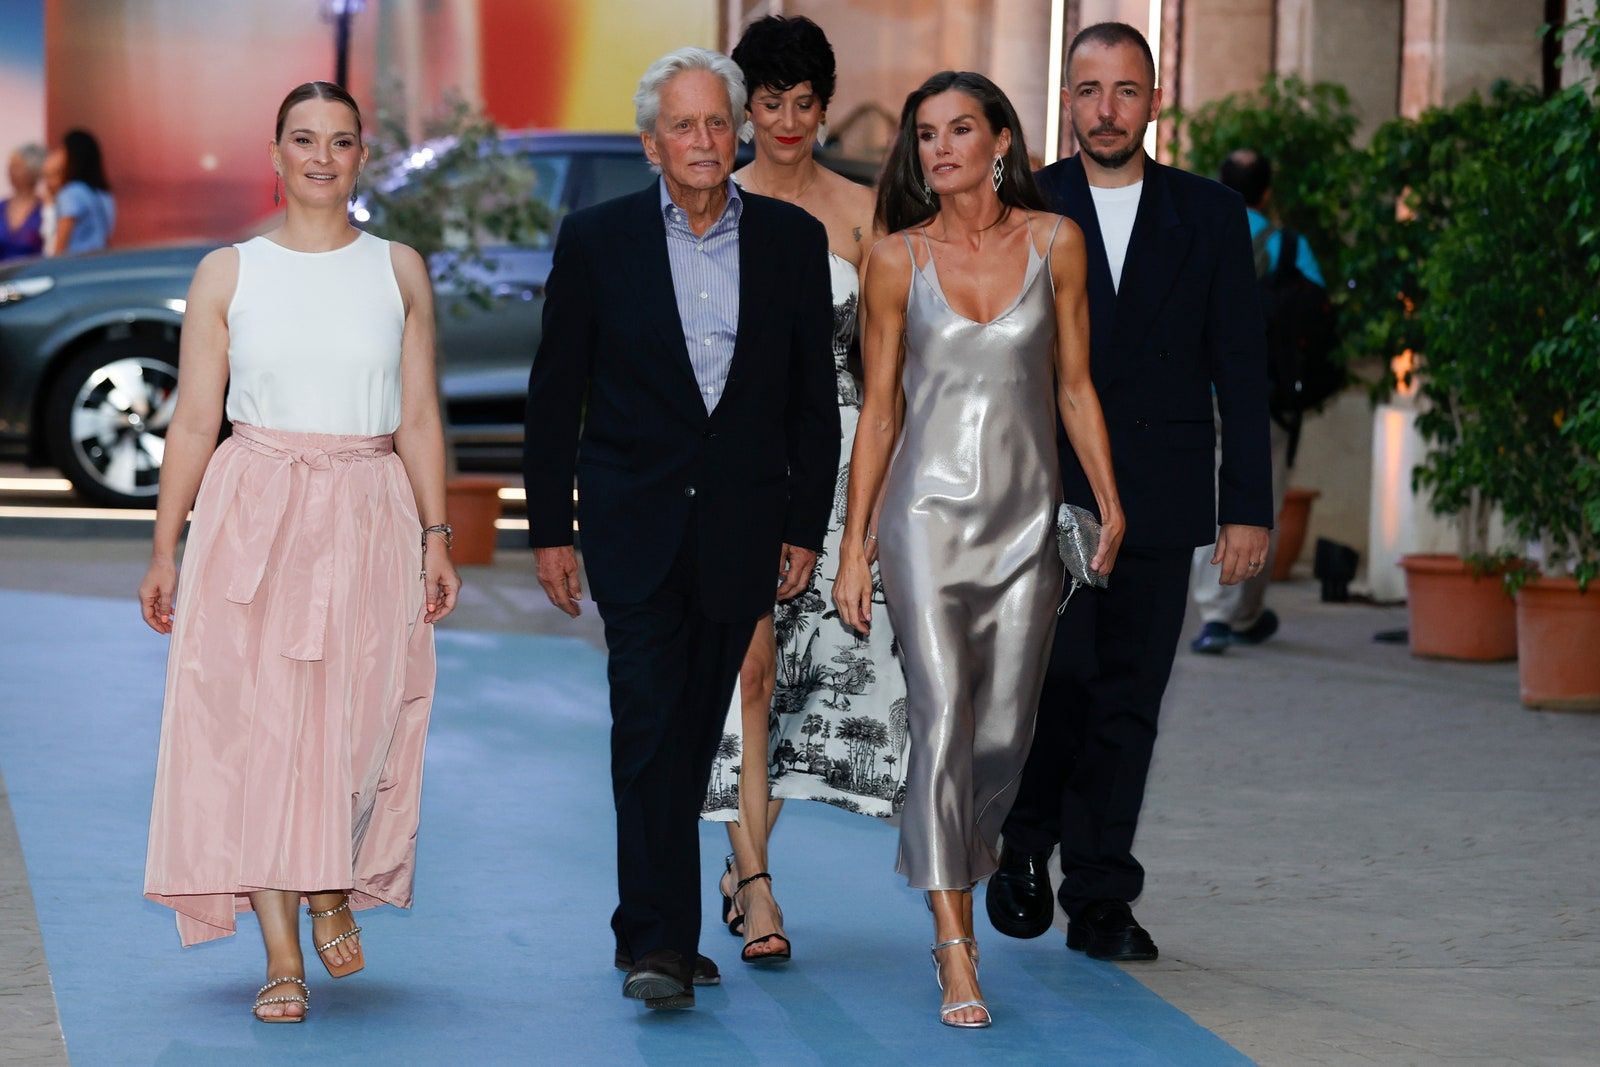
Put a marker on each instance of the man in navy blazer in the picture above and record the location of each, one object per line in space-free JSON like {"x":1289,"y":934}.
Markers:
{"x":685,"y":375}
{"x":1174,"y":317}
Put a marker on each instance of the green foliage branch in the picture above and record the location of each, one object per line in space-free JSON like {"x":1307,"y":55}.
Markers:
{"x":1511,"y":324}
{"x":454,"y":196}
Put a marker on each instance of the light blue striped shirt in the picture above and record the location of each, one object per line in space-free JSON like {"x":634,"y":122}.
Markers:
{"x":705,"y":279}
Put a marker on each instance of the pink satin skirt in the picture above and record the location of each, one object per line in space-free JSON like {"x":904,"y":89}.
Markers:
{"x":299,"y":683}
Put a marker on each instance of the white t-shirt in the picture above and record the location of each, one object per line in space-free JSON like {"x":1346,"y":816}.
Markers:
{"x":1116,"y":209}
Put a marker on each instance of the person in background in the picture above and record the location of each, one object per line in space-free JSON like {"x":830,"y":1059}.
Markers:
{"x":22,"y":213}
{"x":1175,"y":328}
{"x":789,"y":71}
{"x":1237,"y":614}
{"x":85,"y":210}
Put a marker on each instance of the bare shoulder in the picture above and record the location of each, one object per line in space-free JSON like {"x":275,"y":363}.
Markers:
{"x":411,"y":272}
{"x":216,"y":278}
{"x":407,"y":259}
{"x":887,"y":268}
{"x":1061,"y":231}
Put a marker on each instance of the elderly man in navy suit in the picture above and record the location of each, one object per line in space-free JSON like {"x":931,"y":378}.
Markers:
{"x":686,"y":376}
{"x":1174,"y":317}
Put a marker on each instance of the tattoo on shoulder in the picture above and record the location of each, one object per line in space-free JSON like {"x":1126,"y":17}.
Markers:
{"x":855,"y":231}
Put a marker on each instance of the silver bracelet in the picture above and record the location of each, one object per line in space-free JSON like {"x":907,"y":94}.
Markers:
{"x":443,"y":528}
{"x":871,"y":536}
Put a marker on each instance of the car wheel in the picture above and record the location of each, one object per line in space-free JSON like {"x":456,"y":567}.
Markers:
{"x":106,"y":419}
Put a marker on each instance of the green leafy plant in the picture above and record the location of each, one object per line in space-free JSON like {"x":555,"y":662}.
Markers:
{"x":1305,"y":129}
{"x":454,"y":196}
{"x":1509,"y":316}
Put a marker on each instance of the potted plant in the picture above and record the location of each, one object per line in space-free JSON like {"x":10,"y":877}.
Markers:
{"x":1406,"y":200}
{"x":1512,"y":293}
{"x":451,"y":196}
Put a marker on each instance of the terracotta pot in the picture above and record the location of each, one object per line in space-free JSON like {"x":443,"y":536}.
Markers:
{"x":1558,"y":645}
{"x":1456,"y":613}
{"x":473,"y":505}
{"x":1292,"y":522}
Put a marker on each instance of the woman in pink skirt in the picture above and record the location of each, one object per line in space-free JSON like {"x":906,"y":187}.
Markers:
{"x":301,"y":669}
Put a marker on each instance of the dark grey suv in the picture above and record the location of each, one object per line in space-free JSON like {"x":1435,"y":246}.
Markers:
{"x":89,"y":344}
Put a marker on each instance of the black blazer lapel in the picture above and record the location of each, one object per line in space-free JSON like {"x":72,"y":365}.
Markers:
{"x":1156,"y":251}
{"x":642,"y":248}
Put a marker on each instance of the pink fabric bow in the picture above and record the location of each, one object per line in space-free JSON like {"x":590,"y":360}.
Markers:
{"x":309,"y":543}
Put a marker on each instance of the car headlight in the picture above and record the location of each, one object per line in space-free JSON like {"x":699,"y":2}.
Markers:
{"x":22,"y":288}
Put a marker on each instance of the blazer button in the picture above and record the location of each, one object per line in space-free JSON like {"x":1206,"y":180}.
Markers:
{"x":688,"y":491}
{"x":1143,"y":424}
{"x":1163,"y":354}
{"x":709,"y":435}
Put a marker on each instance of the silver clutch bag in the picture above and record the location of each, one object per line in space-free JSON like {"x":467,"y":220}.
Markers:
{"x":1078,"y":539}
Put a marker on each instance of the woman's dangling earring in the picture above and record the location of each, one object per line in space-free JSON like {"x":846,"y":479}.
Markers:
{"x":355,"y":188}
{"x":822,"y":134}
{"x":277,"y":197}
{"x":999,"y":171}
{"x":747,"y":132}
{"x":927,"y":193}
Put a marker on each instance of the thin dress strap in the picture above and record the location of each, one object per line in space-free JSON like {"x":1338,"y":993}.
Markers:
{"x":1048,"y":246}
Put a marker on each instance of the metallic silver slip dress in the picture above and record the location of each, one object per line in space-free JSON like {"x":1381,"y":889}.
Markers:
{"x":969,"y":565}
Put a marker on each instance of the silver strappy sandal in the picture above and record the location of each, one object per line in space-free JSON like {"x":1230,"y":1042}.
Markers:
{"x":946,"y":1010}
{"x":343,"y":969}
{"x":262,"y":1000}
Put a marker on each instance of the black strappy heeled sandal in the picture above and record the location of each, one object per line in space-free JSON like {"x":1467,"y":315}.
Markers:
{"x":733,"y":919}
{"x":768,"y":957}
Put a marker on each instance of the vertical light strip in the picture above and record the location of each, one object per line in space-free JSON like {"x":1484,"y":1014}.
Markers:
{"x":1154,"y":36}
{"x":1052,"y":100}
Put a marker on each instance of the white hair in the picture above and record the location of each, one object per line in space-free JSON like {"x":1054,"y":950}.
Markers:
{"x":647,"y":98}
{"x":32,"y":157}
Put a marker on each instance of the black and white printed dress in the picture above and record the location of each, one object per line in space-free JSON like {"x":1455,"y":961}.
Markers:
{"x":837,"y":728}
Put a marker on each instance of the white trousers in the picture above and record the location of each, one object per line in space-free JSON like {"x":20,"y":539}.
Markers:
{"x":1241,"y":605}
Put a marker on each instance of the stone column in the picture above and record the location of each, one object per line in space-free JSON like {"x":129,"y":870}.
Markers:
{"x":1455,"y":47}
{"x":1355,"y":43}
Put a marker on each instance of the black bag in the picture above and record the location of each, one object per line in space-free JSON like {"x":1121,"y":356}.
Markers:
{"x":1300,"y":333}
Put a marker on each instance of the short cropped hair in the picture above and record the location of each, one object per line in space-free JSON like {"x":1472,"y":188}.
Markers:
{"x":779,"y":53}
{"x":647,"y":98}
{"x":1109,"y":35}
{"x":1248,"y":173}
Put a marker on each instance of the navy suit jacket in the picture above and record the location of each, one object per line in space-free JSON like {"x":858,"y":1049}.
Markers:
{"x":652,"y":466}
{"x":1185,"y":321}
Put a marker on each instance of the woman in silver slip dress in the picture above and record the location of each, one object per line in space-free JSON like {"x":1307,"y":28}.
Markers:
{"x":977,"y":320}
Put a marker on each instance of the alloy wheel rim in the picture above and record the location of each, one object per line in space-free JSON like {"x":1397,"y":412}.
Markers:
{"x":119,"y":426}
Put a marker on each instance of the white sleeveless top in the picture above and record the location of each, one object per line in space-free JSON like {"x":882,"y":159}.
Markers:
{"x":314,"y":339}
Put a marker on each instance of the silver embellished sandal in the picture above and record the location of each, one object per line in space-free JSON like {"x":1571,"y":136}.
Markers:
{"x":262,"y":1000}
{"x":343,"y":969}
{"x":946,"y":1010}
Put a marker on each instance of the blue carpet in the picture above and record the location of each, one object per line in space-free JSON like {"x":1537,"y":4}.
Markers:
{"x":507,"y":956}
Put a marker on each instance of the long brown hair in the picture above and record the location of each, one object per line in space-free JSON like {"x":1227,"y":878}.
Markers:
{"x":315,"y":91}
{"x":901,"y":201}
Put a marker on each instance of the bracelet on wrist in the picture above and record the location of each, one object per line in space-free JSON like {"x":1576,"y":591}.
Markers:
{"x":443,"y":529}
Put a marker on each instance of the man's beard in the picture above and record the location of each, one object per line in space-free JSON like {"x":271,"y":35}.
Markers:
{"x":1110,"y":160}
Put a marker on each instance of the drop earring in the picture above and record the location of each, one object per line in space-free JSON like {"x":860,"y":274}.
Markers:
{"x":822,"y":134}
{"x":277,"y":197}
{"x":355,"y":188}
{"x":999,"y":172}
{"x":747,"y":132}
{"x":927,"y":193}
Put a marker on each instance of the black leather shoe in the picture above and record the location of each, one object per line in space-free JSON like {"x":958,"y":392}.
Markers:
{"x":705,"y":971}
{"x":1107,"y":930}
{"x":1019,"y":902}
{"x":662,"y":980}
